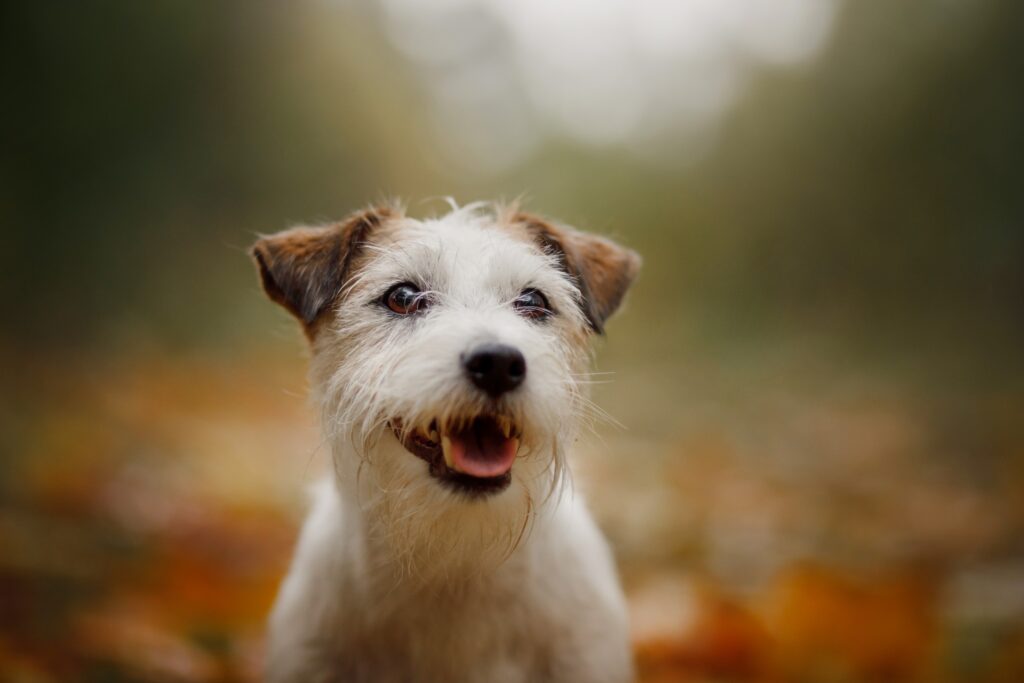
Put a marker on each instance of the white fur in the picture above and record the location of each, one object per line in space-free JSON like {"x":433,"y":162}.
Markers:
{"x":397,"y":578}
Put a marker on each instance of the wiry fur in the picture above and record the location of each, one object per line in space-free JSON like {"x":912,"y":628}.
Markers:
{"x":398,"y":578}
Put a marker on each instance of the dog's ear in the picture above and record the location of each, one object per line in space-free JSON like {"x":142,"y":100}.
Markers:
{"x":304,"y":269}
{"x":602,"y":269}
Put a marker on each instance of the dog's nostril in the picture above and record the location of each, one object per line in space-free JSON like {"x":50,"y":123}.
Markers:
{"x":517,"y":367}
{"x":495,"y":368}
{"x":479,"y":363}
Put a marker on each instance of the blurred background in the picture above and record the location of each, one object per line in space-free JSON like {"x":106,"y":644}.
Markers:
{"x":819,"y":473}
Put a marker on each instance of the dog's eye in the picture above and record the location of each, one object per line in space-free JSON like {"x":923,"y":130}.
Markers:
{"x":405,"y":298}
{"x":531,"y":303}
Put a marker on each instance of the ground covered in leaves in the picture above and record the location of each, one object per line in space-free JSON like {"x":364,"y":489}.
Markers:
{"x":766,"y":532}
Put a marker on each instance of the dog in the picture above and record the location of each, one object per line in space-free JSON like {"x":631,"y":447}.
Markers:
{"x":449,"y":358}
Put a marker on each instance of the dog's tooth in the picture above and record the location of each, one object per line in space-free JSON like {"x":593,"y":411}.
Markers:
{"x":446,"y":447}
{"x":506,"y":426}
{"x":434,"y":436}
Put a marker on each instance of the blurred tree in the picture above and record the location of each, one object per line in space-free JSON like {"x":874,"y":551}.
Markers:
{"x":872,"y":191}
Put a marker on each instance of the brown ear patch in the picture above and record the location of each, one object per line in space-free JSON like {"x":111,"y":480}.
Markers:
{"x":602,"y":269}
{"x":304,"y":269}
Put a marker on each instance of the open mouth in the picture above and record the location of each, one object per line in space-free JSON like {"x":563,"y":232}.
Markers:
{"x":474,"y":456}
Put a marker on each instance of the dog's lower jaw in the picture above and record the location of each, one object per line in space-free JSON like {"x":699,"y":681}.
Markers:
{"x":348,"y":610}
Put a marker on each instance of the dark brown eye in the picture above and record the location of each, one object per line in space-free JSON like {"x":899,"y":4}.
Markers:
{"x":405,"y":299}
{"x":532,"y":304}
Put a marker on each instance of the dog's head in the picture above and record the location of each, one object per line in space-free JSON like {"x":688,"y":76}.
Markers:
{"x":449,"y":355}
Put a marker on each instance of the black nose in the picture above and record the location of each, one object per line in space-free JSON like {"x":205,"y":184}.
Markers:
{"x":495,"y":368}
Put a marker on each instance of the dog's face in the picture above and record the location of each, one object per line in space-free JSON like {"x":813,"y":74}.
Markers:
{"x":449,"y":355}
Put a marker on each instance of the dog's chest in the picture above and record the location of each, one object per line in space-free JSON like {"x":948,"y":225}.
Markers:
{"x":469,"y":638}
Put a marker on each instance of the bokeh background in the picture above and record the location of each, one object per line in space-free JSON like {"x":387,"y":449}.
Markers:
{"x":819,"y":471}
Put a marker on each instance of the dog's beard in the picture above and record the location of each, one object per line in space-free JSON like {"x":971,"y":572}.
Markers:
{"x":424,"y":531}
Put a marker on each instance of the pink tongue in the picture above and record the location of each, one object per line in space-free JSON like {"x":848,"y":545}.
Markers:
{"x":483,"y":451}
